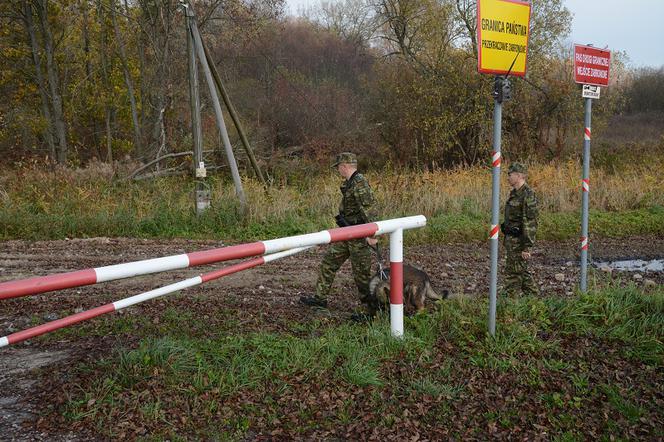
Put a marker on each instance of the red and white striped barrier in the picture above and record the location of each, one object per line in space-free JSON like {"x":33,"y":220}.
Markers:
{"x":275,"y":249}
{"x":41,"y":284}
{"x":146,"y":296}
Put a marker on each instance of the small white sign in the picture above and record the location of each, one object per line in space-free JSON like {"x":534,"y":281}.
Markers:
{"x":590,"y":91}
{"x":200,"y":170}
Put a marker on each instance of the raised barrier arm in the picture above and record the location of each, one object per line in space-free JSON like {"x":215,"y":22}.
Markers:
{"x":142,"y":297}
{"x":41,"y":284}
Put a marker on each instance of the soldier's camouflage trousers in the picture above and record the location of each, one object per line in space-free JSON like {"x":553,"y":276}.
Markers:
{"x":360,"y":258}
{"x":517,"y":277}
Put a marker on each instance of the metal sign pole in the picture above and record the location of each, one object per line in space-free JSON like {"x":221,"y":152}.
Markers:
{"x":585,"y":186}
{"x":498,"y":49}
{"x":591,"y":69}
{"x":495,"y":203}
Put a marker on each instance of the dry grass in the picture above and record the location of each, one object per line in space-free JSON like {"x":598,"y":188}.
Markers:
{"x":557,"y":186}
{"x":92,"y":200}
{"x":464,"y":191}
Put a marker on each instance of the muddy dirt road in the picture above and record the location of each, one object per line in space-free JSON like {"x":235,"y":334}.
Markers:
{"x":262,"y":298}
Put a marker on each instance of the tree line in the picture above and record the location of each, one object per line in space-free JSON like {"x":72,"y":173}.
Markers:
{"x":395,"y":80}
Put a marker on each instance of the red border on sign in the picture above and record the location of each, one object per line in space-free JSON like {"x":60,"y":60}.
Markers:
{"x":608,"y":70}
{"x":479,"y":42}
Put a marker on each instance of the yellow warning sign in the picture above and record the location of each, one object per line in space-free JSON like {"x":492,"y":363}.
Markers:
{"x":503,"y":27}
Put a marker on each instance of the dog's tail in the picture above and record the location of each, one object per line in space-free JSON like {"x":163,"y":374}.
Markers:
{"x":431,"y":293}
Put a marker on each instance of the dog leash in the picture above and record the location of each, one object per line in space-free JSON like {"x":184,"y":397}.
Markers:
{"x":379,"y":257}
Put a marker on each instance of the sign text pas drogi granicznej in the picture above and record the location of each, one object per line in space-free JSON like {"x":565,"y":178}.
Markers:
{"x":503,"y":27}
{"x":591,"y":65}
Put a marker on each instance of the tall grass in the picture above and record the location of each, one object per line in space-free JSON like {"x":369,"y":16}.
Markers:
{"x":90,"y":202}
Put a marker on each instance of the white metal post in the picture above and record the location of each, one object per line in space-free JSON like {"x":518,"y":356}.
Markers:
{"x":396,"y":283}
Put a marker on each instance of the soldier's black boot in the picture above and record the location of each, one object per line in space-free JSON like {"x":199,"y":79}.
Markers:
{"x":313,"y":301}
{"x":368,"y":311}
{"x":362,"y":317}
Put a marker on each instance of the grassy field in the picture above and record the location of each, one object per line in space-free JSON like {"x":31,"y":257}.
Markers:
{"x":574,"y":369}
{"x":91,"y":202}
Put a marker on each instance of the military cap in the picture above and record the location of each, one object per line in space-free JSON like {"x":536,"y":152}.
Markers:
{"x":345,"y":157}
{"x":517,"y":167}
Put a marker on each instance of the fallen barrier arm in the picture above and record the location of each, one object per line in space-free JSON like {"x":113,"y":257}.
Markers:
{"x":142,"y":297}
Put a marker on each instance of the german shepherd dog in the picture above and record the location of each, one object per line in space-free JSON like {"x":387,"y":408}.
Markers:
{"x":417,"y":288}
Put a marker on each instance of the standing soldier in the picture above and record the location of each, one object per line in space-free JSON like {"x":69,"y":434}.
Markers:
{"x":519,"y":228}
{"x":357,"y":207}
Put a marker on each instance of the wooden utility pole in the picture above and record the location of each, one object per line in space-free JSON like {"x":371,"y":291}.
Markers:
{"x":202,"y":195}
{"x":234,"y":116}
{"x":198,"y":46}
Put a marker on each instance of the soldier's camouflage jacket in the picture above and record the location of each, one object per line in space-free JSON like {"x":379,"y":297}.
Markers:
{"x":357,"y":201}
{"x":521,"y":212}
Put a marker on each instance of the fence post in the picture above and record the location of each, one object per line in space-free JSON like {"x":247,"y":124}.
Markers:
{"x":396,"y":283}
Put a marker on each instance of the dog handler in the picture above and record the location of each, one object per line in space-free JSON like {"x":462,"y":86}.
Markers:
{"x":357,"y":207}
{"x":519,"y":228}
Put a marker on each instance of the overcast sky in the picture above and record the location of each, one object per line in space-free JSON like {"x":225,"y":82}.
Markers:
{"x":634,"y":26}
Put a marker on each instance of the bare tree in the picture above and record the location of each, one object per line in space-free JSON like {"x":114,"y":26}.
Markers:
{"x":39,"y":77}
{"x":128,"y":81}
{"x":89,"y":79}
{"x":467,"y":10}
{"x":422,"y":32}
{"x":353,"y":20}
{"x":53,"y":81}
{"x":105,"y":79}
{"x":157,"y":22}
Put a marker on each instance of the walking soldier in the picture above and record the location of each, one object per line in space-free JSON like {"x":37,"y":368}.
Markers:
{"x":357,"y":207}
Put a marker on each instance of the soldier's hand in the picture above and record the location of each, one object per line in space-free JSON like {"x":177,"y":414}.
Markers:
{"x":372,"y":241}
{"x":525,"y":254}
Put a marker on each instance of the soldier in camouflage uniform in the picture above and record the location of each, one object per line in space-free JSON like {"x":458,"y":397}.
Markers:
{"x":519,"y":229}
{"x":357,"y":207}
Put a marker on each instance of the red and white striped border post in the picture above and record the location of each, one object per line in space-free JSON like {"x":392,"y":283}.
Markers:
{"x":142,"y":297}
{"x":585,"y":186}
{"x":396,"y":283}
{"x":495,"y":159}
{"x":41,"y":284}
